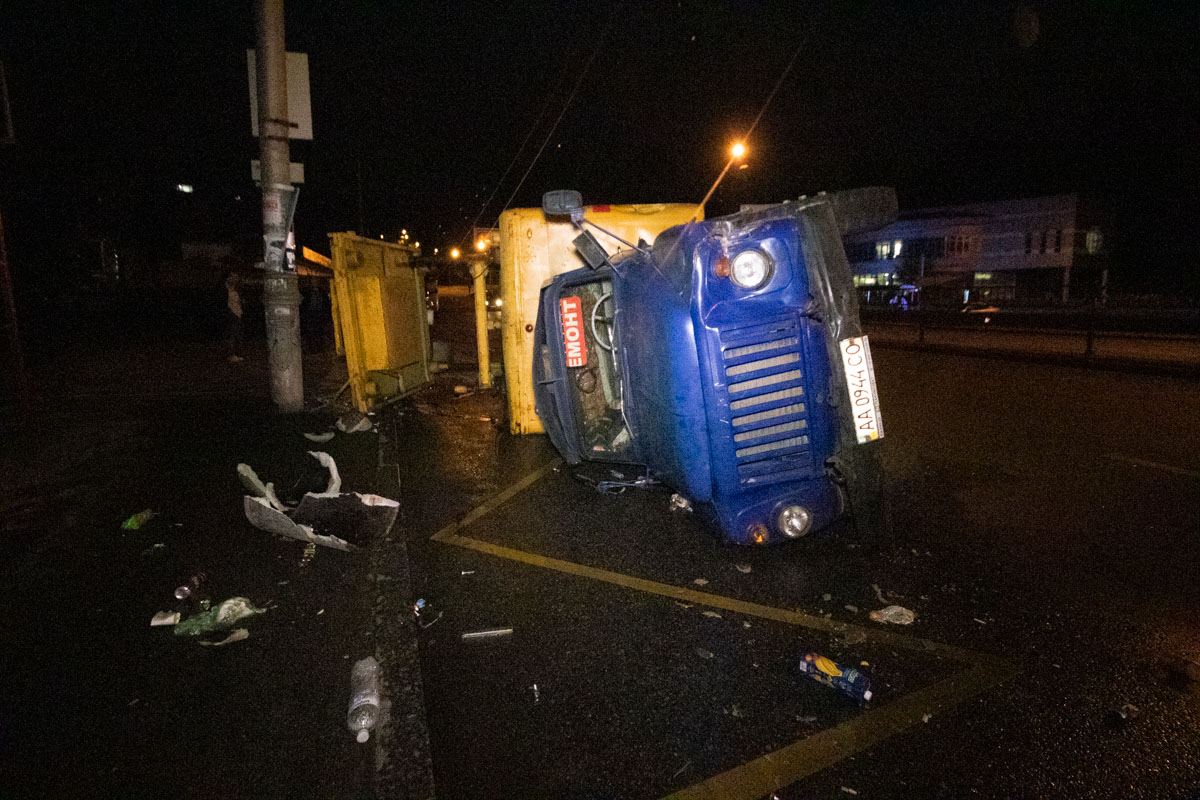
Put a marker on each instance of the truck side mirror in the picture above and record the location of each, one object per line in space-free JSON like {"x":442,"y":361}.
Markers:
{"x":563,"y":203}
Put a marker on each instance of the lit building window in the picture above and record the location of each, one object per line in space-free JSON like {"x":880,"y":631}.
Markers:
{"x":896,"y":245}
{"x":983,"y":277}
{"x":883,"y":250}
{"x":1093,"y":241}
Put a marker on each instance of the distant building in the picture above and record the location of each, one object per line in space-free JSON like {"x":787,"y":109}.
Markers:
{"x":1031,"y":250}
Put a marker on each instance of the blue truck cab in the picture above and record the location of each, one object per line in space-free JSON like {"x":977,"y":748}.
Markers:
{"x":728,"y":359}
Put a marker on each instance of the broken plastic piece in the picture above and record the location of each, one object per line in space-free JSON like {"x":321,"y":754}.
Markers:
{"x":679,"y":503}
{"x":319,"y":438}
{"x":335,"y":480}
{"x":235,"y":635}
{"x":164,"y":618}
{"x":701,"y":581}
{"x":487,"y":633}
{"x":138,"y":520}
{"x":705,"y":654}
{"x":896,"y":615}
{"x":712,"y":614}
{"x":257,"y":488}
{"x":218,"y":619}
{"x":745,"y":569}
{"x":353,"y":423}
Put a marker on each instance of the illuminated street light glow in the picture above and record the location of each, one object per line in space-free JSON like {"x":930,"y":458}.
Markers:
{"x":454,"y":252}
{"x":481,"y":245}
{"x":738,"y":150}
{"x":186,"y":188}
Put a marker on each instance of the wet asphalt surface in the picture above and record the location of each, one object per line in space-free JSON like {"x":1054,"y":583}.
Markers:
{"x":1023,"y":532}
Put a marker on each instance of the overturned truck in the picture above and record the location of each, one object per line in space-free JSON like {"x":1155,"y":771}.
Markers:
{"x":728,"y":359}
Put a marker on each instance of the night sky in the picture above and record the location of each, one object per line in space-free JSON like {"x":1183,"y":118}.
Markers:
{"x":116,"y":103}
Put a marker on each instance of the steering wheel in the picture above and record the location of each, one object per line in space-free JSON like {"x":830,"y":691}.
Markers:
{"x":607,"y":321}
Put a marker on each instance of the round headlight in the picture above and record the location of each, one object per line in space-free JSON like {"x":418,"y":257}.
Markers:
{"x":750,"y":269}
{"x":794,"y":521}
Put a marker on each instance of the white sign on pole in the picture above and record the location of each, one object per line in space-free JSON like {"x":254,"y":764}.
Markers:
{"x":295,"y":169}
{"x":299,"y":103}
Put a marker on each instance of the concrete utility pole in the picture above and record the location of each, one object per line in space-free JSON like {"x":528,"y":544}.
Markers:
{"x":281,"y":294}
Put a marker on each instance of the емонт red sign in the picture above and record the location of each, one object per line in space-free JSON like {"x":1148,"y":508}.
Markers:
{"x":572,"y":322}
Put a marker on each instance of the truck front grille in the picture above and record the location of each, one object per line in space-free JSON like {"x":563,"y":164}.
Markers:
{"x":764,"y":384}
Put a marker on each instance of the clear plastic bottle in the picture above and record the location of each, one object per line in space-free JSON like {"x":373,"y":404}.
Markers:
{"x":364,"y":698}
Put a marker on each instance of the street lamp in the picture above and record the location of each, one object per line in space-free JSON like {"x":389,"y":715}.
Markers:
{"x":481,"y":245}
{"x":738,"y":150}
{"x":454,"y":252}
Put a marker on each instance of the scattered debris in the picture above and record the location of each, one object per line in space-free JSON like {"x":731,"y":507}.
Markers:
{"x":310,"y":552}
{"x":896,"y":615}
{"x":537,"y":696}
{"x":235,"y":635}
{"x":353,"y":422}
{"x":981,"y":622}
{"x":319,"y":613}
{"x":743,"y":568}
{"x":460,"y":389}
{"x":164,"y":618}
{"x":745,"y":624}
{"x":824,"y":670}
{"x":826,"y":597}
{"x":138,"y":520}
{"x":735,"y":712}
{"x":864,"y":663}
{"x":487,"y":633}
{"x":700,"y":651}
{"x":431,"y":622}
{"x":466,"y":572}
{"x":848,"y":790}
{"x":701,"y":581}
{"x":618,"y":475}
{"x":154,"y":548}
{"x":679,"y":771}
{"x":879,"y":594}
{"x":1120,"y":717}
{"x":850,"y":608}
{"x":218,"y":619}
{"x":189,"y":587}
{"x":679,"y":503}
{"x":713,"y":614}
{"x":359,"y":519}
{"x":364,"y":698}
{"x":319,"y":438}
{"x":335,"y":480}
{"x":926,"y":717}
{"x":682,"y":604}
{"x":257,"y":488}
{"x":853,"y":638}
{"x":807,"y":720}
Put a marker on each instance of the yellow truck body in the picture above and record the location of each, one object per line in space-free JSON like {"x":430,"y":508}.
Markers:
{"x":532,"y":251}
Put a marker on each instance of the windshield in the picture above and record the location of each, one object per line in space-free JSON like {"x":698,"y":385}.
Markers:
{"x":592,"y":369}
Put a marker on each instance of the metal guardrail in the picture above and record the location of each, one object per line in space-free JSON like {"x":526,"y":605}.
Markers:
{"x":1173,"y":351}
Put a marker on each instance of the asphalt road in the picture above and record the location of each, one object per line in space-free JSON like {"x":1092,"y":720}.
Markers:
{"x":1046,"y":537}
